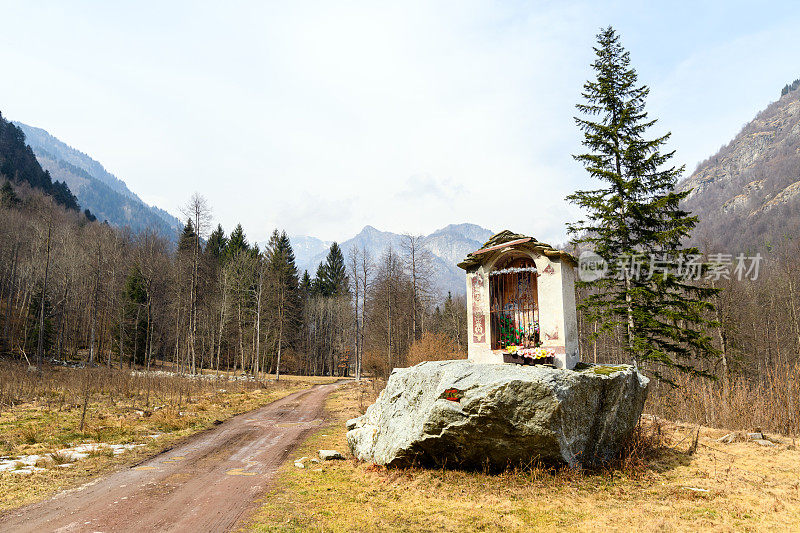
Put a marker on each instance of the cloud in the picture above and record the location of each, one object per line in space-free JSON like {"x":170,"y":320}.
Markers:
{"x":424,"y":186}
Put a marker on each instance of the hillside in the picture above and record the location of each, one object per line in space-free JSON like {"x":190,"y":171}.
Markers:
{"x":105,"y":195}
{"x":747,"y":195}
{"x":18,"y":164}
{"x":448,"y":246}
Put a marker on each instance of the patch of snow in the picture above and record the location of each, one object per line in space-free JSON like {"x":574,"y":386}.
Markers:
{"x":26,"y":464}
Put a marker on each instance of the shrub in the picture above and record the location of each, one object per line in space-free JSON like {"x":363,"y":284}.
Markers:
{"x":433,"y":347}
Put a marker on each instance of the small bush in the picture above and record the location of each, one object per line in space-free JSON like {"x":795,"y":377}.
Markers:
{"x":101,"y":451}
{"x":770,"y":401}
{"x":433,"y":347}
{"x":29,"y":436}
{"x":643,"y":446}
{"x":61,"y":458}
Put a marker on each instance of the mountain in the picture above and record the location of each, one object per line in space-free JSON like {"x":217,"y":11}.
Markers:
{"x":105,"y":195}
{"x":747,"y":195}
{"x":18,"y":164}
{"x":307,"y":248}
{"x":448,"y":246}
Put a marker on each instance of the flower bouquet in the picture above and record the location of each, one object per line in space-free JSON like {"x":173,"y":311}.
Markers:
{"x":528,"y":356}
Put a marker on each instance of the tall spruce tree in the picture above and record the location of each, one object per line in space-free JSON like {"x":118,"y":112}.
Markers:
{"x":306,"y":285}
{"x":217,"y":243}
{"x":636,"y":214}
{"x":284,"y":291}
{"x":135,"y":316}
{"x":186,"y":240}
{"x":236,"y":243}
{"x":336,"y":281}
{"x":319,"y":285}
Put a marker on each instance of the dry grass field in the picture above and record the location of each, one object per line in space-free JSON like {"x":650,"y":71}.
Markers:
{"x":669,"y":484}
{"x":41,"y":415}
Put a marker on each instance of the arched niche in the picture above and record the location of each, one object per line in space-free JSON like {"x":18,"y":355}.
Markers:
{"x":513,"y":301}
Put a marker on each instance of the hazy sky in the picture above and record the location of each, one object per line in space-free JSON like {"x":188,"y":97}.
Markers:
{"x":323,"y":117}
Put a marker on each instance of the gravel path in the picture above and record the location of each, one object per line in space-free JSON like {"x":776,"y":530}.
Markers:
{"x":208,"y":483}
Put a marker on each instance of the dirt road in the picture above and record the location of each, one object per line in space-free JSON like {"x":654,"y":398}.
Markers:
{"x":207,"y":484}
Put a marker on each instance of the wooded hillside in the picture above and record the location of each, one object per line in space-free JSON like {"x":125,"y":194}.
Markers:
{"x":18,"y":164}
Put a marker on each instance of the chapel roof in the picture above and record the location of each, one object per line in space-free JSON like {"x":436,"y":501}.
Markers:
{"x":507,"y":239}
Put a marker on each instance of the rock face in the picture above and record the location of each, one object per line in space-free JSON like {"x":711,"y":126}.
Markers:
{"x":752,"y":182}
{"x":466,"y":414}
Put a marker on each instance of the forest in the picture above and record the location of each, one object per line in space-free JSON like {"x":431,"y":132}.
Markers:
{"x":73,"y":290}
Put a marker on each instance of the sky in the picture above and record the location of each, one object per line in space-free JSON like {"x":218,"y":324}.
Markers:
{"x":322,"y":117}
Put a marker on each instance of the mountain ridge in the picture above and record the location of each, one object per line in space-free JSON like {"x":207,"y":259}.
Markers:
{"x":104,"y":194}
{"x":447,"y":245}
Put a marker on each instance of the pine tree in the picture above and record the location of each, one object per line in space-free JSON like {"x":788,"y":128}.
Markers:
{"x":335,"y":280}
{"x":8,"y":197}
{"x":135,"y":300}
{"x":636,"y":214}
{"x":319,"y":286}
{"x":284,"y":291}
{"x":306,"y":285}
{"x":186,"y":240}
{"x":237,"y":243}
{"x":35,"y":308}
{"x":217,"y":243}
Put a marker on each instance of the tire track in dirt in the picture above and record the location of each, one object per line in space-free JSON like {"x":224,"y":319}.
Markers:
{"x":208,"y":483}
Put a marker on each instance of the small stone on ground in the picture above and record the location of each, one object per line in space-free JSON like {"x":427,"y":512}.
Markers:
{"x":328,"y":455}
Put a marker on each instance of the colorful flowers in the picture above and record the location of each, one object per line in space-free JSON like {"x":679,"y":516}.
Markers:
{"x":534,"y":353}
{"x":511,"y":335}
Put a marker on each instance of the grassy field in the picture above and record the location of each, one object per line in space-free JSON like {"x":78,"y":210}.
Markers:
{"x":41,"y":417}
{"x":741,"y":486}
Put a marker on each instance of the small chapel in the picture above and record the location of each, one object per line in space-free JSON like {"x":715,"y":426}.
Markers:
{"x":521,"y":303}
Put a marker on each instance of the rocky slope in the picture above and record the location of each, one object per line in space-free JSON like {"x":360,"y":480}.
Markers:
{"x":748,"y":194}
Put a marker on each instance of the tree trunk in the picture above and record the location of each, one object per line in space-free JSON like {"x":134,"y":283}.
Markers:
{"x":258,"y":322}
{"x":40,"y":343}
{"x":94,"y":314}
{"x":8,"y":331}
{"x":280,"y":342}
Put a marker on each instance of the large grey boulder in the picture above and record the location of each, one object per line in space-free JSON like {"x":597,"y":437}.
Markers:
{"x":466,"y":414}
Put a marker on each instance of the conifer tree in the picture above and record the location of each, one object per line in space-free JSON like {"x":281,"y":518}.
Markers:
{"x":305,"y":285}
{"x":336,"y":281}
{"x":8,"y":197}
{"x":135,"y":300}
{"x":285,"y":291}
{"x":319,"y":285}
{"x":186,"y":240}
{"x":37,"y":307}
{"x":237,"y":243}
{"x":636,"y":213}
{"x":217,"y":243}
